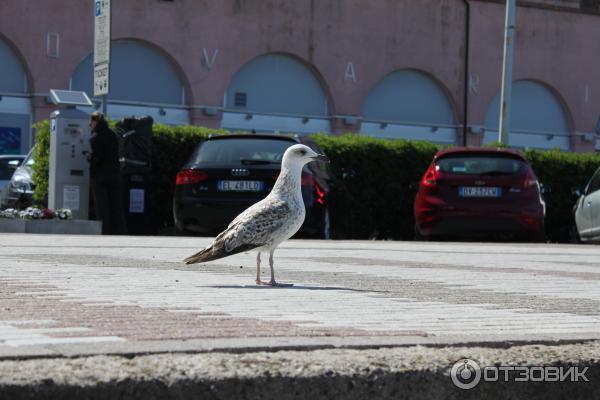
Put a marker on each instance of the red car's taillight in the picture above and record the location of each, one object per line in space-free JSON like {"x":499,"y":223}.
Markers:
{"x":190,"y":176}
{"x":429,"y":179}
{"x":308,"y":181}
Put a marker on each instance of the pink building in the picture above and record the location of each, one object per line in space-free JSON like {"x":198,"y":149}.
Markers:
{"x":427,"y":69}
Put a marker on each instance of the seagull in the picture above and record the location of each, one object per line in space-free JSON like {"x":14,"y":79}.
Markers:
{"x":266,"y":224}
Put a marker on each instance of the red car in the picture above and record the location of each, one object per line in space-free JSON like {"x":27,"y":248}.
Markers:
{"x":479,"y":192}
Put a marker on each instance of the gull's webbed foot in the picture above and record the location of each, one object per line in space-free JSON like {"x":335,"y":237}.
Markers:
{"x":274,"y":283}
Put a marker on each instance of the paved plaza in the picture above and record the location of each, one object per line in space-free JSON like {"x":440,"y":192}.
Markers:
{"x":84,"y":294}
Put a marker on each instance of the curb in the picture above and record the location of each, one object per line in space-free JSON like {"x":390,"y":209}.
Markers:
{"x":70,"y":227}
{"x":396,"y":373}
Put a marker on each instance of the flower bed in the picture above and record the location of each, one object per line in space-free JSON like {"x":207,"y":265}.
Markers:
{"x":36,"y":220}
{"x":32,"y":213}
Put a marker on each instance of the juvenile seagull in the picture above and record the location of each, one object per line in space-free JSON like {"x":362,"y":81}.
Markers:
{"x":264,"y":225}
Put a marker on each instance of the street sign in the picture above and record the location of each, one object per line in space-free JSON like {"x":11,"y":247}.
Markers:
{"x":101,"y":79}
{"x":101,"y":48}
{"x":101,"y":31}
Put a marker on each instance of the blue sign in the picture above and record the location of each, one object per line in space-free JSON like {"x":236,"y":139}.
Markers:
{"x":10,"y":140}
{"x":98,"y":8}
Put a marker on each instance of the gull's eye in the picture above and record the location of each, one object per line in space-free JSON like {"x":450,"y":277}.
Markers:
{"x":302,"y":152}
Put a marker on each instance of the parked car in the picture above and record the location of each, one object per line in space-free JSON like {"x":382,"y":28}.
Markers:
{"x":228,"y":173}
{"x":8,"y":165}
{"x":587,"y":211}
{"x":479,"y":192}
{"x":19,"y":192}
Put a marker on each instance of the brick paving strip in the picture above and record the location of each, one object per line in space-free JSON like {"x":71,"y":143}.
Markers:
{"x":23,"y":303}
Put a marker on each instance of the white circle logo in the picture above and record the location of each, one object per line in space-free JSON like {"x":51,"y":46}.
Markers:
{"x":465,"y":373}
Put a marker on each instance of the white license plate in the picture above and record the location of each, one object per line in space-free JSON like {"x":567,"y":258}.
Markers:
{"x":470,"y":191}
{"x":240,"y":186}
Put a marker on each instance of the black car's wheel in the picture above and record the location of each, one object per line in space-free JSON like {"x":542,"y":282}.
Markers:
{"x":418,"y":236}
{"x":574,"y":234}
{"x":326,"y":225}
{"x":539,"y":238}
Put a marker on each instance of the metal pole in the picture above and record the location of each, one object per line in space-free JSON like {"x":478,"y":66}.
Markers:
{"x":505,"y":96}
{"x":104,"y":105}
{"x":466,"y":81}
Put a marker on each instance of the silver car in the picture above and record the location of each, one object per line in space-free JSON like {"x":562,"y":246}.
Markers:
{"x":587,"y":211}
{"x":19,"y":192}
{"x":8,"y":165}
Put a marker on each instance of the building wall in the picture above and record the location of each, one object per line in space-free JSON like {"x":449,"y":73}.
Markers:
{"x":556,"y":48}
{"x":556,"y":45}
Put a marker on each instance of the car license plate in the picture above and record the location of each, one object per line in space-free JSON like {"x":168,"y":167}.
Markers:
{"x":474,"y":191}
{"x":240,"y":186}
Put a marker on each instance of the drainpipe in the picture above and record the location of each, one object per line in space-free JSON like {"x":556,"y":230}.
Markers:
{"x":466,"y":84}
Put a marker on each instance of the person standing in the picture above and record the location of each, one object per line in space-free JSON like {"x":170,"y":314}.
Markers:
{"x":105,"y":176}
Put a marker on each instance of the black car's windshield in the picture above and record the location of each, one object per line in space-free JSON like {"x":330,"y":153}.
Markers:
{"x":251,"y":151}
{"x":481,"y":165}
{"x":251,"y":161}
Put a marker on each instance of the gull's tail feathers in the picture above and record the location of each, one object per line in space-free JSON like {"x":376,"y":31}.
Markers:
{"x":203,"y":255}
{"x":217,"y":250}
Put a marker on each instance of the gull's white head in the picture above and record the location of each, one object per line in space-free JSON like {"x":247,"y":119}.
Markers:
{"x":298,"y":155}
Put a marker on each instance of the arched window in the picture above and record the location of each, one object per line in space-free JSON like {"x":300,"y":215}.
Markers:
{"x":409,"y":104}
{"x":275,"y":92}
{"x":15,"y":105}
{"x":142,"y":82}
{"x":537,"y":118}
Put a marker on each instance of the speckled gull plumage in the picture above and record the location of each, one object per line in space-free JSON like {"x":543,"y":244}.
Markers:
{"x":266,"y":224}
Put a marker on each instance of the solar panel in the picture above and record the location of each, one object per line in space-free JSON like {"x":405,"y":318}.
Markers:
{"x":71,"y":98}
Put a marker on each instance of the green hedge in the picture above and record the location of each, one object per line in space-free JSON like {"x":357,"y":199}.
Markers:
{"x":560,"y":172}
{"x":41,"y":167}
{"x":375,"y":185}
{"x":375,"y":180}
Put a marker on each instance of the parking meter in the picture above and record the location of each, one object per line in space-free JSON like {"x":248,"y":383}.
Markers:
{"x":69,"y":180}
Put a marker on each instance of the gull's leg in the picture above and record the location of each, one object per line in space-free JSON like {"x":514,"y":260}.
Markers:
{"x":273,"y":282}
{"x":258,"y":281}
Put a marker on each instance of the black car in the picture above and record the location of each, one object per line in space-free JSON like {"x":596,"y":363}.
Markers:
{"x":228,"y":173}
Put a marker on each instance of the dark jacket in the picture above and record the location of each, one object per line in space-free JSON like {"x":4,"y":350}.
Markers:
{"x":105,"y":152}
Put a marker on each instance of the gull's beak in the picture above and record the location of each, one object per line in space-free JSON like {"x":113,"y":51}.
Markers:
{"x":321,"y":157}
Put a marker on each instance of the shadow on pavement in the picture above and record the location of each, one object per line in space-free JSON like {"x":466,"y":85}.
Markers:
{"x":295,"y":287}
